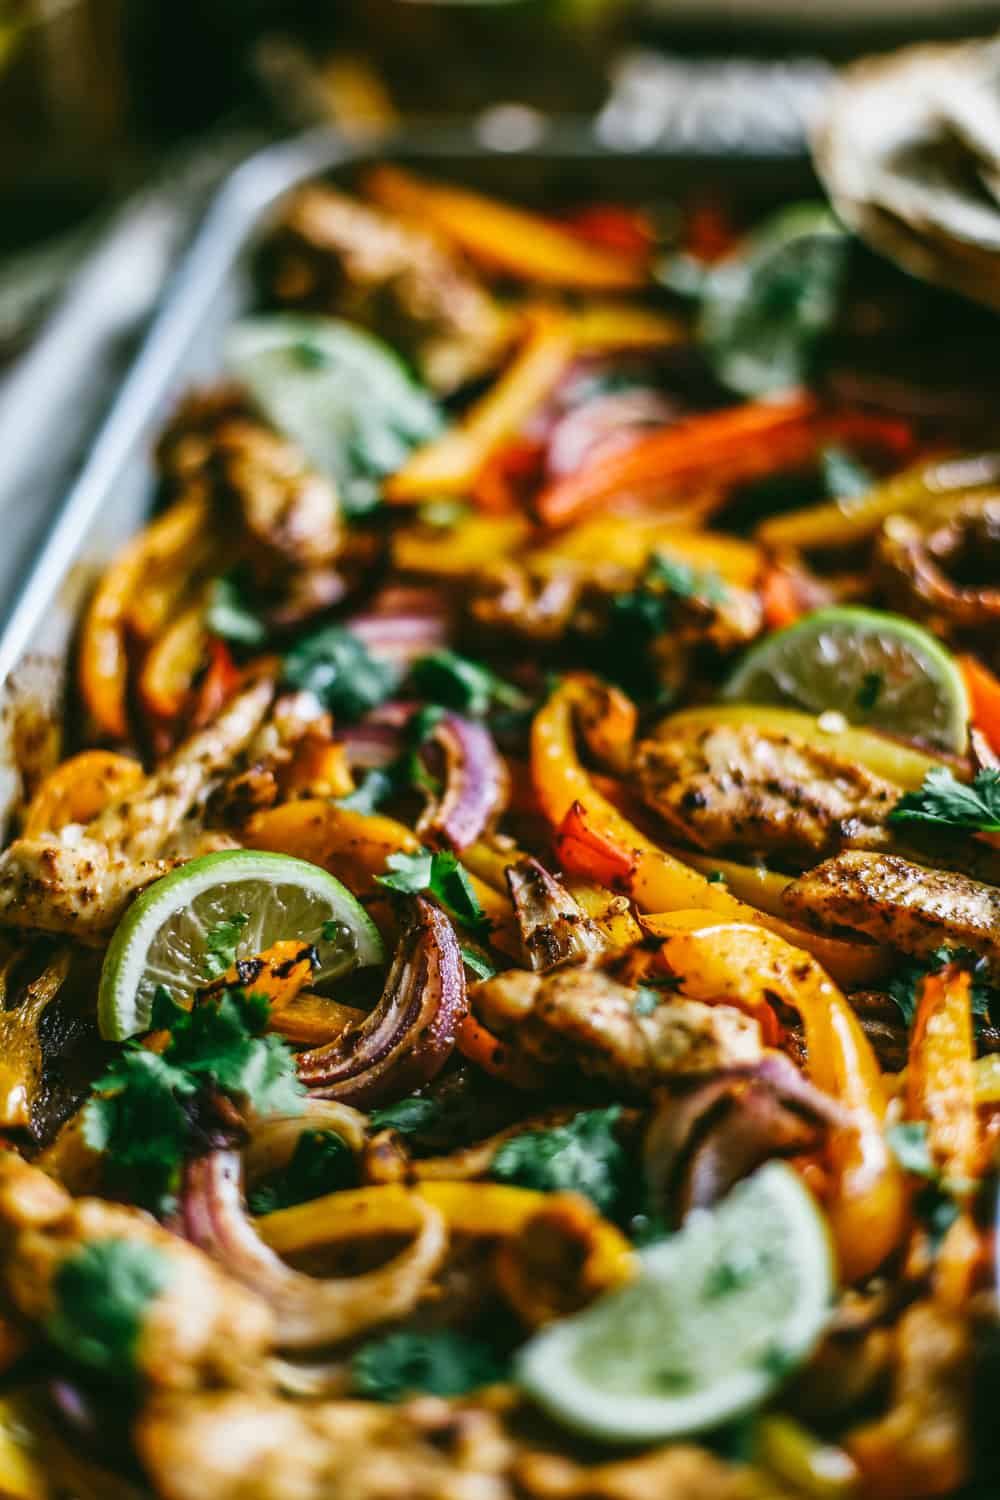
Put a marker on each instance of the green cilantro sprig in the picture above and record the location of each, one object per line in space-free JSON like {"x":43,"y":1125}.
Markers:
{"x":230,"y":612}
{"x":943,"y":800}
{"x":459,"y":682}
{"x":221,"y":943}
{"x":144,"y":1106}
{"x":337,"y":666}
{"x":905,"y":983}
{"x":439,"y":874}
{"x":443,"y":1362}
{"x":100,"y":1296}
{"x":407,"y":770}
{"x":321,"y":1163}
{"x":582,"y":1156}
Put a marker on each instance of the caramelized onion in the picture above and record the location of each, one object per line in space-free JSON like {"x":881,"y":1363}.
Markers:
{"x":476,"y":783}
{"x":554,"y":929}
{"x":309,"y":1311}
{"x":408,"y":1037}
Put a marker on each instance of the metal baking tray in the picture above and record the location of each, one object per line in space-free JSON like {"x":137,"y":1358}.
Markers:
{"x":540,"y":161}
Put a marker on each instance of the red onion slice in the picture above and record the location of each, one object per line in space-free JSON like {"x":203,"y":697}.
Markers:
{"x":406,"y":1040}
{"x":476,"y":783}
{"x":309,"y":1311}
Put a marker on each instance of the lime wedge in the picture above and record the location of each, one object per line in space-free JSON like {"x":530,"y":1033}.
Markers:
{"x":162,"y":937}
{"x":874,"y":668}
{"x":720,"y":1313}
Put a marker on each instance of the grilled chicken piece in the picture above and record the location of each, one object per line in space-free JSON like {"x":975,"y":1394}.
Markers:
{"x":201,"y":1328}
{"x":580,"y":1019}
{"x":234,"y":1446}
{"x":736,"y":786}
{"x":80,"y":881}
{"x":554,"y":929}
{"x":338,"y":256}
{"x":677,"y":1472}
{"x":901,"y":903}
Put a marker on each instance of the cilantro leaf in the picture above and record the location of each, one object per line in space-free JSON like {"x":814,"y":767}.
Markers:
{"x":584,"y":1156}
{"x":671,"y":576}
{"x":376,"y":786}
{"x":905,"y":983}
{"x":476,"y":960}
{"x":908,"y":1143}
{"x":408,"y":1116}
{"x":221,"y":943}
{"x":442,"y":875}
{"x":444,"y":1362}
{"x":338,"y":667}
{"x":143,"y":1108}
{"x":944,"y":800}
{"x":461,"y":683}
{"x":230,"y":613}
{"x":101,"y":1294}
{"x":321,"y":1163}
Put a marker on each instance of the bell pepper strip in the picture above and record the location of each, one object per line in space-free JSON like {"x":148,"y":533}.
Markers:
{"x":845,"y":522}
{"x":80,"y":788}
{"x":311,"y":1020}
{"x":779,"y":599}
{"x":797,"y":1458}
{"x":983,"y":688}
{"x":987,"y":1079}
{"x":560,"y":1261}
{"x":459,"y":551}
{"x":171,"y":667}
{"x":753,"y":884}
{"x":615,"y":226}
{"x":451,"y":463}
{"x":488,"y":1052}
{"x":221,"y":679}
{"x":868,"y":1203}
{"x":355,"y":846}
{"x":606,"y":719}
{"x":885,"y":757}
{"x":318,"y":768}
{"x":941,"y":1077}
{"x":21,"y":1058}
{"x":961,"y":1261}
{"x":606,"y":541}
{"x":103,"y":660}
{"x":503,"y":238}
{"x":610,"y":912}
{"x":278,"y":972}
{"x":601,"y":844}
{"x":605,"y":327}
{"x":506,"y":480}
{"x":483,"y":1210}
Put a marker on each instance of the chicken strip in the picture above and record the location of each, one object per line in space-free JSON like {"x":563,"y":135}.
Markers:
{"x":201,"y":1327}
{"x":80,"y":881}
{"x":895,"y":901}
{"x":234,"y":1446}
{"x":741,"y":787}
{"x":336,"y":255}
{"x":581,"y":1019}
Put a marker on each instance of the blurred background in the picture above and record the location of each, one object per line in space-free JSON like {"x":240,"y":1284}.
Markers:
{"x":108,"y":106}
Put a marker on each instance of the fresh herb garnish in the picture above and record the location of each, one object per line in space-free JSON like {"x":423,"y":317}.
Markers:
{"x":144,"y":1104}
{"x":444,"y":1363}
{"x":337,"y":666}
{"x":476,"y":960}
{"x":438,"y":874}
{"x":221,"y":943}
{"x":583,"y":1156}
{"x":944,"y":800}
{"x":375,"y":787}
{"x":670,"y":576}
{"x":844,"y":476}
{"x":407,"y":770}
{"x":101,"y":1293}
{"x":717,"y":877}
{"x":646,"y":1000}
{"x":408,"y":1116}
{"x":908,"y":1143}
{"x":230,"y":613}
{"x":637,"y":617}
{"x":905,"y":983}
{"x":459,"y":682}
{"x":321,"y":1163}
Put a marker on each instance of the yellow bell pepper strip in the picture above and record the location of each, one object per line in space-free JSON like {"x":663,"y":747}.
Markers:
{"x":561,"y":1260}
{"x":852,"y":519}
{"x":172,"y":664}
{"x":459,"y":551}
{"x":941,"y":1079}
{"x":753,"y":884}
{"x":884,"y":757}
{"x":80,"y":788}
{"x":318,"y":768}
{"x":987,"y":1079}
{"x":450,"y":464}
{"x":604,"y":327}
{"x":311,"y":1020}
{"x":103,"y":661}
{"x":868,"y":1206}
{"x":609,"y":911}
{"x":604,"y":541}
{"x":501,"y":237}
{"x":355,"y":846}
{"x":620,"y":855}
{"x":815,"y":1470}
{"x":24,"y":1473}
{"x":484,"y":1210}
{"x":20,"y":1048}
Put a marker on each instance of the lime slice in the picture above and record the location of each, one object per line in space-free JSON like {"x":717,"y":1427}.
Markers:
{"x":162,"y":937}
{"x":719,"y":1315}
{"x":874,"y":668}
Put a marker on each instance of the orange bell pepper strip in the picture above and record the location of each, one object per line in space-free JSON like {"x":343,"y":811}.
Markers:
{"x":80,"y":788}
{"x":984,"y":695}
{"x":451,"y":464}
{"x":941,"y":1076}
{"x":718,"y":448}
{"x":222,"y":678}
{"x":656,"y":880}
{"x":172,"y":664}
{"x":103,"y":660}
{"x":502,"y":237}
{"x":712,"y":959}
{"x":488,"y":1052}
{"x":777,"y":595}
